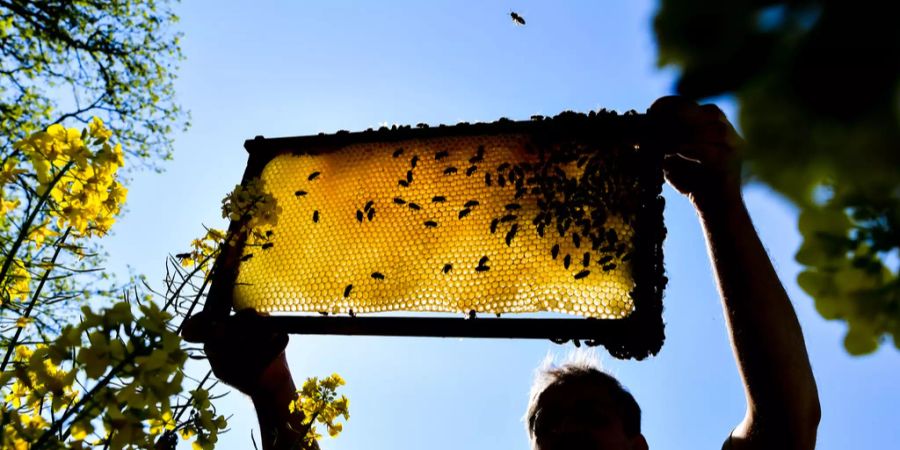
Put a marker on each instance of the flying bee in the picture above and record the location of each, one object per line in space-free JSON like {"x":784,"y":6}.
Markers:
{"x":511,"y":234}
{"x":347,"y":290}
{"x":554,"y":252}
{"x":494,"y":225}
{"x":471,"y":170}
{"x":368,"y":205}
{"x":450,"y":170}
{"x":414,"y":161}
{"x":487,"y":179}
{"x":314,"y":175}
{"x":413,"y":206}
{"x":438,"y":199}
{"x":300,"y":193}
{"x":513,"y":206}
{"x":447,"y":268}
{"x":397,"y":153}
{"x":316,"y":216}
{"x":508,"y":218}
{"x":471,"y":203}
{"x":430,"y":223}
{"x":464,"y":213}
{"x":517,"y":19}
{"x":567,"y":261}
{"x":378,"y":275}
{"x":370,"y":214}
{"x":246,"y":257}
{"x":267,"y":245}
{"x":403,"y":183}
{"x":582,"y":274}
{"x":183,"y":255}
{"x":441,"y":155}
{"x":399,"y":201}
{"x":359,"y":215}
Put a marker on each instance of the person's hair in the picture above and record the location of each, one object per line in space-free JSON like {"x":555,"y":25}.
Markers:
{"x":582,"y":366}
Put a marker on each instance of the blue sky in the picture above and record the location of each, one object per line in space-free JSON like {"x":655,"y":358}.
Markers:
{"x":285,"y":68}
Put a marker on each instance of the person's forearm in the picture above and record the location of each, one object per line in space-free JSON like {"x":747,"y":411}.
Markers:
{"x":766,"y":338}
{"x":279,"y":429}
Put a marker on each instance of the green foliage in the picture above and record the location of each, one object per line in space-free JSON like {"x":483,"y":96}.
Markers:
{"x":818,"y":87}
{"x":74,"y":59}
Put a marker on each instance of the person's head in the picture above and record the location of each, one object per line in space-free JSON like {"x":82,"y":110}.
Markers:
{"x":576,"y":406}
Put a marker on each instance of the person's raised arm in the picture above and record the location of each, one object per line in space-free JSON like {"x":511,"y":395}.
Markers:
{"x":703,"y":163}
{"x":253,"y":361}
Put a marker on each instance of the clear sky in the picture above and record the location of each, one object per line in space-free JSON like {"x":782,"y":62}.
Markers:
{"x":286,"y":68}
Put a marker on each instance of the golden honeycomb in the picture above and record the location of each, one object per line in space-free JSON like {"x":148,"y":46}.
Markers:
{"x":451,"y":224}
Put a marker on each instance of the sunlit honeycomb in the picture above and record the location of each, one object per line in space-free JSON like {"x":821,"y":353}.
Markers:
{"x":452,"y":224}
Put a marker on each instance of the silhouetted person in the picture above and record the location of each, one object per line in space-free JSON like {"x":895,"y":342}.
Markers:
{"x":577,"y":407}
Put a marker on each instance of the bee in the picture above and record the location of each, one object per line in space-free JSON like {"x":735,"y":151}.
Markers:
{"x":609,"y":267}
{"x":438,"y":199}
{"x":246,"y":257}
{"x":471,"y":203}
{"x":567,"y":261}
{"x":471,"y":315}
{"x":605,"y":260}
{"x":487,"y":179}
{"x":409,"y":176}
{"x":513,"y":206}
{"x":399,"y":201}
{"x":314,"y":175}
{"x":300,"y":193}
{"x":267,"y":245}
{"x":269,"y":233}
{"x":554,"y":252}
{"x":421,"y":125}
{"x":627,"y":256}
{"x":612,"y":237}
{"x":501,"y":181}
{"x":414,"y":161}
{"x":447,"y":268}
{"x":316,"y":216}
{"x":494,"y":225}
{"x":483,"y":260}
{"x":511,"y":234}
{"x":508,"y":218}
{"x":350,"y":311}
{"x":582,"y":274}
{"x":576,"y":239}
{"x":471,"y":170}
{"x":397,"y":153}
{"x":368,"y":205}
{"x":482,"y":269}
{"x":441,"y":155}
{"x":378,"y":275}
{"x":183,"y":255}
{"x":413,"y":206}
{"x":359,"y":215}
{"x":464,"y":213}
{"x":323,"y":313}
{"x":517,"y":19}
{"x":430,"y":223}
{"x":370,"y":214}
{"x":403,"y":183}
{"x":520,"y":192}
{"x":586,"y":259}
{"x":503,"y":167}
{"x":450,"y":170}
{"x":347,"y":290}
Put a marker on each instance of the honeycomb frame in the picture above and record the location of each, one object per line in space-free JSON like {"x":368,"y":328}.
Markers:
{"x":590,"y":183}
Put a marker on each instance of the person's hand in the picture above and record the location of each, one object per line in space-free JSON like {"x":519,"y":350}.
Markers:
{"x":702,"y":149}
{"x":240,"y":351}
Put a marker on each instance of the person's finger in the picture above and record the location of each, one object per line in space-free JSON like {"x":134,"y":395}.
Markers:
{"x":704,"y":153}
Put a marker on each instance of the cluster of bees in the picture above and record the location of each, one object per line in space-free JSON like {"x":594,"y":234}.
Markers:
{"x":463,"y":224}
